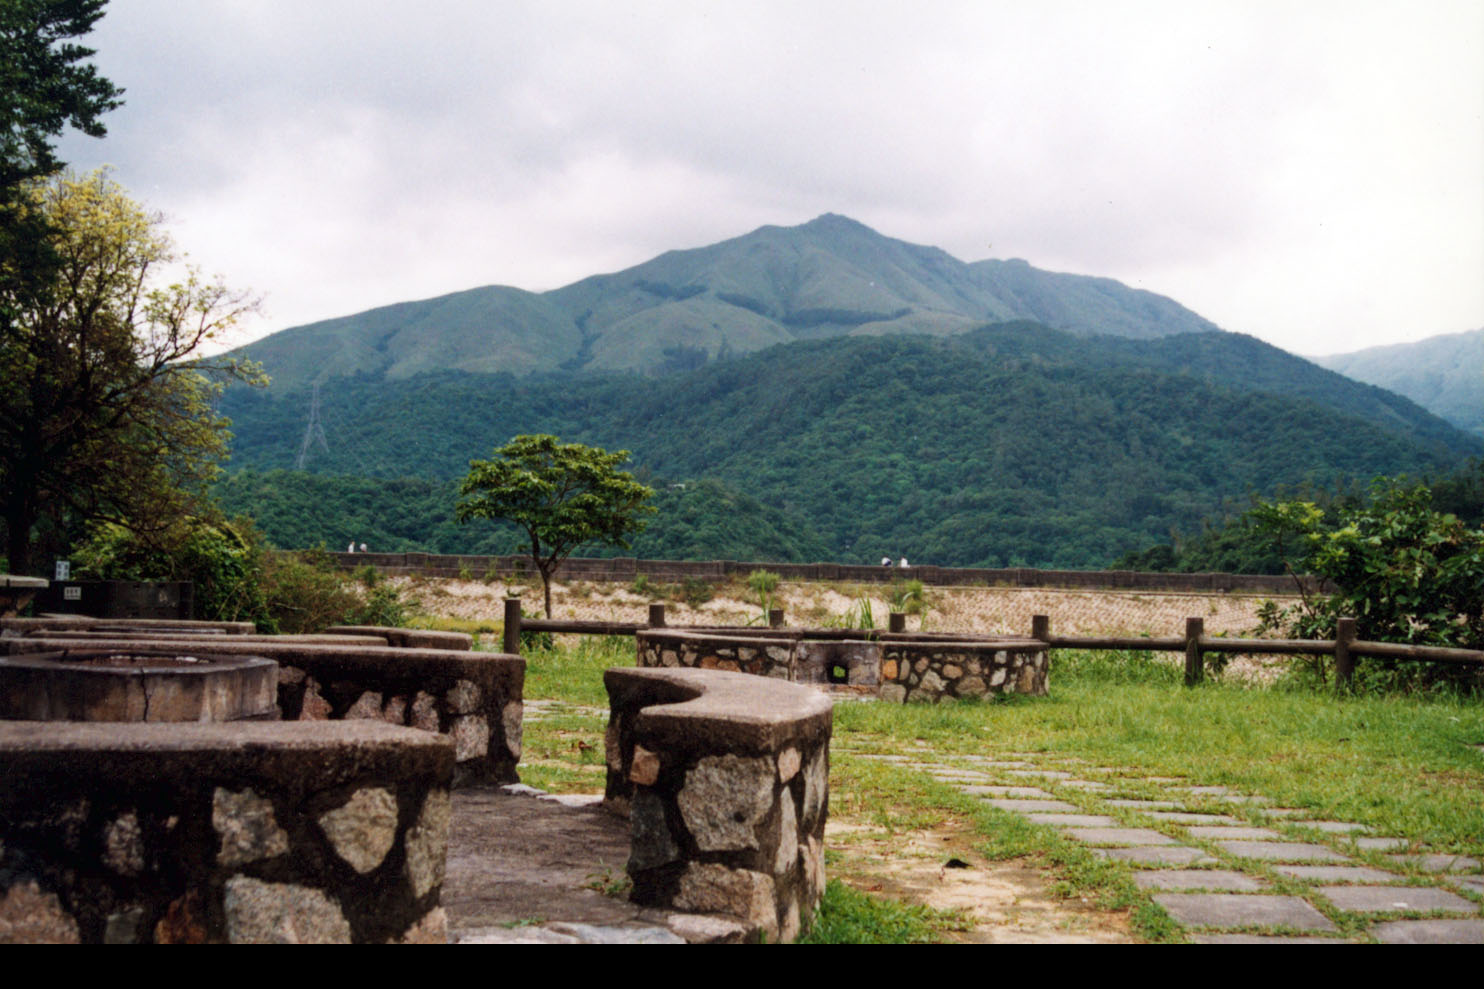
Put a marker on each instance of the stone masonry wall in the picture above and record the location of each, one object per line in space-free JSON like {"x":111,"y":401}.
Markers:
{"x":926,"y":669}
{"x":725,"y":779}
{"x":244,"y":833}
{"x":771,"y":657}
{"x":930,"y":671}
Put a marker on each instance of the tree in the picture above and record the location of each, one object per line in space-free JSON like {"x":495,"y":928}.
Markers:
{"x":106,"y":412}
{"x":1405,"y":571}
{"x":561,"y":494}
{"x":45,"y":87}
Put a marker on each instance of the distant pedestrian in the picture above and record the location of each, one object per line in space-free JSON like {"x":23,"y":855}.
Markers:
{"x":903,"y":564}
{"x":886,"y":561}
{"x":352,"y":547}
{"x":363,"y":548}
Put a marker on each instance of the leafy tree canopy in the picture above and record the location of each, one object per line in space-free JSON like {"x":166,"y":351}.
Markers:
{"x":560,"y":495}
{"x":45,"y":83}
{"x":45,"y":87}
{"x":106,"y":414}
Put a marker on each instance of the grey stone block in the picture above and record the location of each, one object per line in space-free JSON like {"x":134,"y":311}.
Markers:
{"x":1006,"y":791}
{"x":1439,"y":863}
{"x":1337,"y":873}
{"x":1281,"y":851}
{"x":1027,"y":806}
{"x":1232,"y":832}
{"x":1332,"y":827}
{"x":1243,"y":910}
{"x":1178,"y":879}
{"x":1262,"y":939}
{"x":1430,"y":932}
{"x":1157,"y":855}
{"x":1392,"y":899}
{"x":1120,"y":836}
{"x":1074,"y":820}
{"x":1144,"y":804}
{"x":1379,"y":844}
{"x":1179,"y":817}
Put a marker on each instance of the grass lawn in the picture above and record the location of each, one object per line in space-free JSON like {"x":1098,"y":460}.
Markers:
{"x":1412,"y":767}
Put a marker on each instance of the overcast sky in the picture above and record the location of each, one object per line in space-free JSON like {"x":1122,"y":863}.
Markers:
{"x":1311,"y":173}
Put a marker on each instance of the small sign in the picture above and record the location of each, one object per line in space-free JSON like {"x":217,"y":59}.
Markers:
{"x":64,"y":570}
{"x":73,"y":593}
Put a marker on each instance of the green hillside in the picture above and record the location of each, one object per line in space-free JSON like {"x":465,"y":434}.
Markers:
{"x":1443,"y":374}
{"x":829,"y":277}
{"x":1010,"y":444}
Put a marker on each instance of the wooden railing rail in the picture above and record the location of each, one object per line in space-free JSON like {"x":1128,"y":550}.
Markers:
{"x":1194,"y":643}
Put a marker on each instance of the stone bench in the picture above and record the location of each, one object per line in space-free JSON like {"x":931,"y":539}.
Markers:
{"x":725,"y":779}
{"x":245,"y":832}
{"x":473,"y":697}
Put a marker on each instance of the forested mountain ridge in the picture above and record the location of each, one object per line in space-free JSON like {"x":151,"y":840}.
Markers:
{"x":829,"y":277}
{"x":1010,"y":444}
{"x":1444,"y":374}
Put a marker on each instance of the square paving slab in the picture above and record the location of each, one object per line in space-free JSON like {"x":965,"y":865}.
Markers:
{"x":1439,"y":863}
{"x":1089,"y":785}
{"x":1120,"y":836}
{"x":1243,"y":910}
{"x":1181,"y":817}
{"x":1234,"y":832}
{"x":1281,"y":851}
{"x":1473,"y":883}
{"x":1393,"y":899}
{"x":1430,"y":932}
{"x":1045,"y":774}
{"x":1028,"y":806}
{"x":1337,"y":873}
{"x":1262,"y":939}
{"x":1006,"y":791}
{"x":1157,"y":855}
{"x":1074,"y":820}
{"x":1223,"y":879}
{"x":1143,"y":804}
{"x":1203,"y":791}
{"x":1332,"y":827}
{"x":1380,"y":844}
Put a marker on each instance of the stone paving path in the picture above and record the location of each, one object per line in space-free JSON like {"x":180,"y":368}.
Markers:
{"x":1232,"y":868}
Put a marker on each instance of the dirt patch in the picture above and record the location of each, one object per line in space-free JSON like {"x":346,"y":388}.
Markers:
{"x":1005,"y":902}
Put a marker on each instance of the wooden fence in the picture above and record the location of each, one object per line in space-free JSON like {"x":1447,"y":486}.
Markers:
{"x":1195,"y":644}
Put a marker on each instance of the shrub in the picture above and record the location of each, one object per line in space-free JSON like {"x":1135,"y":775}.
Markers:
{"x":223,"y":560}
{"x":695,"y":591}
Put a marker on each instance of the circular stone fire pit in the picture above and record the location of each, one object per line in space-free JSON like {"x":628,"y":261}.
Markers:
{"x":136,"y":685}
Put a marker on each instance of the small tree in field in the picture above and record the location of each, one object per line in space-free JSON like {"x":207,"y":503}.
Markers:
{"x":561,"y":494}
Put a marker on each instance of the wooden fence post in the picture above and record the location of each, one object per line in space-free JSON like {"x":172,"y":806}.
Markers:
{"x":1344,"y":662}
{"x":1195,"y":669}
{"x":896,"y":621}
{"x":512,"y":626}
{"x":656,"y":616}
{"x":775,"y":617}
{"x":1041,"y":627}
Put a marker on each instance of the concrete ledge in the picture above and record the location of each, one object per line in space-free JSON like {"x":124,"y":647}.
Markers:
{"x":246,"y":832}
{"x":21,"y":626}
{"x":102,"y":685}
{"x":474,"y":697}
{"x":409,"y":638}
{"x":725,"y":779}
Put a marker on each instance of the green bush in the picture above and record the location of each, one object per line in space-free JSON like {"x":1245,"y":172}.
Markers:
{"x":695,"y":591}
{"x":222,"y":559}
